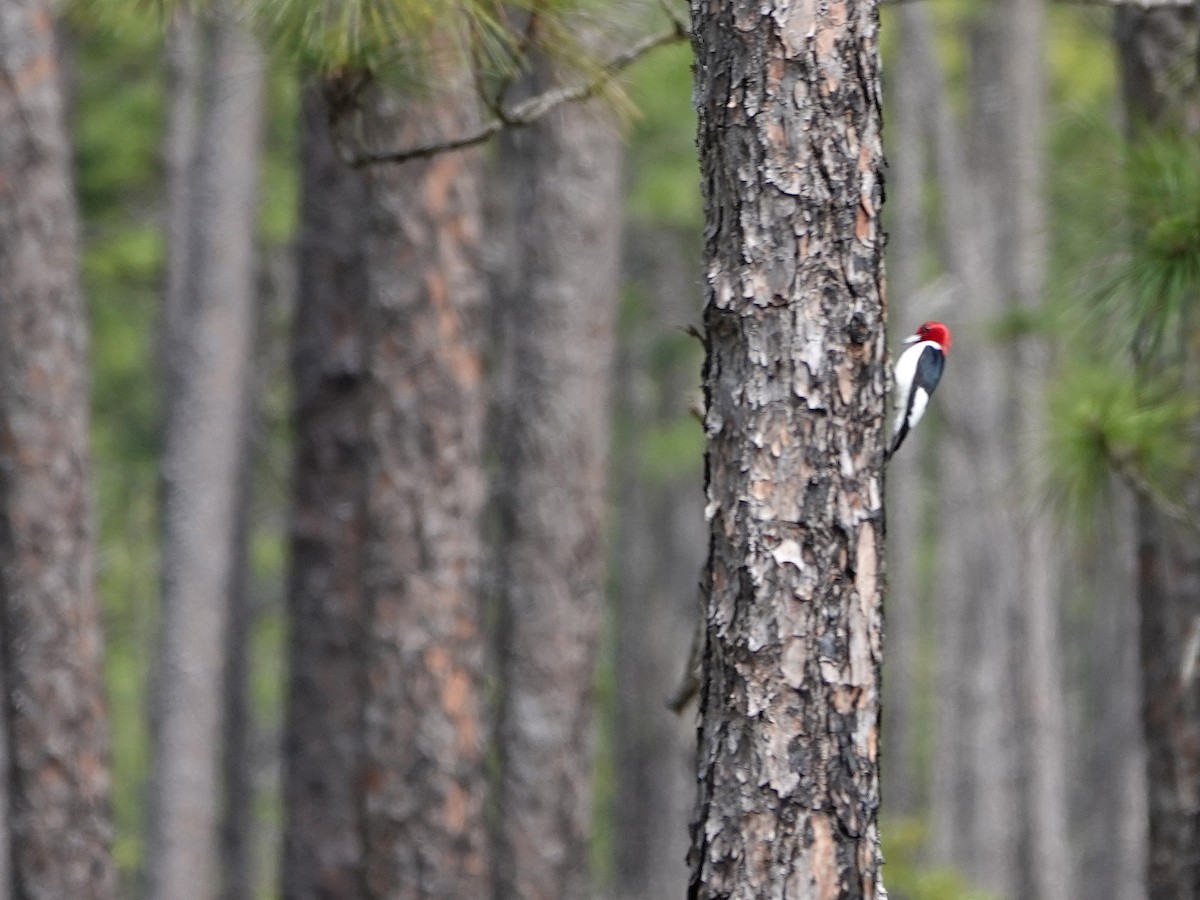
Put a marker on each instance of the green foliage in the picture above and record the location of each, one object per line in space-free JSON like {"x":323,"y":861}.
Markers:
{"x":665,"y":180}
{"x":402,"y":37}
{"x":1103,"y":418}
{"x":279,"y":212}
{"x":118,"y":114}
{"x":1157,"y":284}
{"x":908,"y":877}
{"x":671,"y":448}
{"x":354,"y":34}
{"x":1079,"y":53}
{"x":1130,"y":239}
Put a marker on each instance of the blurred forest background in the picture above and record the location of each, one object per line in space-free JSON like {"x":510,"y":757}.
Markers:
{"x":1025,"y":209}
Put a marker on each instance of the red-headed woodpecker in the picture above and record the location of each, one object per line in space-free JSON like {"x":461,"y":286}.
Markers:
{"x":918,"y":371}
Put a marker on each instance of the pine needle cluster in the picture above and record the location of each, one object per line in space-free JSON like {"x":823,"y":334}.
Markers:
{"x":1127,"y":404}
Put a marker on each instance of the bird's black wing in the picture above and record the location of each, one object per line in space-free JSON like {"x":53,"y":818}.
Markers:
{"x":930,"y":365}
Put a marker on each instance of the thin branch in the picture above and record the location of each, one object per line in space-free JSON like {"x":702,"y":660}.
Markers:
{"x":529,"y":111}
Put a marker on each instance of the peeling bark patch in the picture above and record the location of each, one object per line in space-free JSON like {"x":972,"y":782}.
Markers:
{"x":824,"y":856}
{"x":862,"y":660}
{"x":788,"y":552}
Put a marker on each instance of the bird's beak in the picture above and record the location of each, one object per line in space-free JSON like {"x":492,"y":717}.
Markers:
{"x":911,"y":339}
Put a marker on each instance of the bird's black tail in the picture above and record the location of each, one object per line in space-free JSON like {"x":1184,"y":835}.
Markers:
{"x":897,"y":440}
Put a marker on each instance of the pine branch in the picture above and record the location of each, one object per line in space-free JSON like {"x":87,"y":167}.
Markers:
{"x":1128,"y":472}
{"x":528,"y":111}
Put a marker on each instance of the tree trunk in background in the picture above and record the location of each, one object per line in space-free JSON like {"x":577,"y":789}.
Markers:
{"x":203,"y":445}
{"x":1000,"y":787}
{"x":322,"y":849}
{"x":974,"y":798}
{"x":1112,"y":790}
{"x":659,"y":553}
{"x":903,"y":781}
{"x":551,"y":500}
{"x":1046,"y":850}
{"x":56,"y":780}
{"x":423,"y":775}
{"x":1158,"y":60}
{"x":1168,"y":592}
{"x":795,"y":384}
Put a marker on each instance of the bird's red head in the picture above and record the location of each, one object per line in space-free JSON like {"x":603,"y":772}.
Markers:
{"x":936,"y":332}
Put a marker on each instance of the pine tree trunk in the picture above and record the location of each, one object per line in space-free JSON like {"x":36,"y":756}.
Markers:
{"x":203,"y":444}
{"x":1156,"y":47}
{"x":422,"y":773}
{"x":322,"y":853}
{"x":795,"y":383}
{"x":1169,"y":600}
{"x":56,"y":775}
{"x":551,"y":498}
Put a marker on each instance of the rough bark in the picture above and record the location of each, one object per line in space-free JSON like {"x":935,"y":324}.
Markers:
{"x":202,"y":446}
{"x":322,"y":850}
{"x":660,"y":546}
{"x":551,"y":498}
{"x":56,"y":776}
{"x":903,"y":782}
{"x":423,"y":755}
{"x":1158,"y":60}
{"x":795,"y":382}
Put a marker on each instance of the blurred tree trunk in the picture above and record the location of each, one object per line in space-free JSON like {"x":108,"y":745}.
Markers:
{"x":203,"y":443}
{"x":1159,"y":73}
{"x":422,"y":775}
{"x":322,"y":848}
{"x":974,"y":795}
{"x":551,"y":500}
{"x":1112,"y":801}
{"x":54,"y":726}
{"x":1000,"y":789}
{"x":795,"y":383}
{"x":906,"y":485}
{"x":1024,"y":249}
{"x":660,"y":550}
